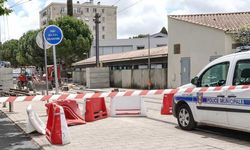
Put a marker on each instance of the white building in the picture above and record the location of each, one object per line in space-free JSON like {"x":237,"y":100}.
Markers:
{"x":86,"y":12}
{"x":195,"y":40}
{"x":125,"y":45}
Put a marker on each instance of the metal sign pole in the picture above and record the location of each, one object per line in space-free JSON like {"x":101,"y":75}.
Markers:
{"x":46,"y":69}
{"x":55,"y":69}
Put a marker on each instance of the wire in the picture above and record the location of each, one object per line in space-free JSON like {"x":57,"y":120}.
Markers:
{"x":19,"y":3}
{"x":15,"y":4}
{"x":129,"y":6}
{"x":117,"y":2}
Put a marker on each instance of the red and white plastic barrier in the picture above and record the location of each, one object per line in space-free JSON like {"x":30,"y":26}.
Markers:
{"x":57,"y":129}
{"x":127,"y":106}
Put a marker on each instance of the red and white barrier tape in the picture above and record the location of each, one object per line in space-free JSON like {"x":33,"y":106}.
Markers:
{"x":114,"y":94}
{"x":84,"y":95}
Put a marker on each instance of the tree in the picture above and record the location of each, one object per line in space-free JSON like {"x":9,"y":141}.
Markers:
{"x":164,"y":30}
{"x":243,"y":35}
{"x":140,"y":36}
{"x":29,"y":53}
{"x":4,"y":10}
{"x":8,"y":52}
{"x":76,"y":41}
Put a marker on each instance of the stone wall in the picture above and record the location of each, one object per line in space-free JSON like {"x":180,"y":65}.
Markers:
{"x":6,"y":78}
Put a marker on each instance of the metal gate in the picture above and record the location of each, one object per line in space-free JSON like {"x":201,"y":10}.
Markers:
{"x":185,"y":70}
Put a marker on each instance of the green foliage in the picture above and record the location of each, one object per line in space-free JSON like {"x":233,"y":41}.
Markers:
{"x":77,"y":39}
{"x":8,"y":51}
{"x":4,"y":10}
{"x":140,"y":36}
{"x":29,"y":53}
{"x":164,"y":30}
{"x":243,"y":35}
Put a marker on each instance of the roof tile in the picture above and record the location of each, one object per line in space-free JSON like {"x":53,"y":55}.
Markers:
{"x":136,"y":54}
{"x":222,"y":21}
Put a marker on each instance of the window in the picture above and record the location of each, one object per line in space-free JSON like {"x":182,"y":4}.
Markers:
{"x":63,"y":10}
{"x":44,"y":13}
{"x":103,"y":19}
{"x":161,"y":45}
{"x":103,"y":36}
{"x":242,"y":73}
{"x":74,"y":10}
{"x":140,"y":47}
{"x":102,"y":10}
{"x":177,"y":48}
{"x":103,"y":28}
{"x":214,"y":76}
{"x":94,"y":9}
{"x":44,"y":22}
{"x":78,"y":10}
{"x":87,"y":10}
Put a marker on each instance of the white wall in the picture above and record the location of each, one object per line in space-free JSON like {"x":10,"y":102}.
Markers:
{"x":197,"y":42}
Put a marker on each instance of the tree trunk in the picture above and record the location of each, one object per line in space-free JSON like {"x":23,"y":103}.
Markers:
{"x":69,"y":7}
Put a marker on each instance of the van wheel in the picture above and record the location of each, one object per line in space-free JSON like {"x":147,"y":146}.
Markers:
{"x":185,"y":118}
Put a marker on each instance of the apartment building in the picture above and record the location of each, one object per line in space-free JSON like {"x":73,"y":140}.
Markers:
{"x":86,"y":12}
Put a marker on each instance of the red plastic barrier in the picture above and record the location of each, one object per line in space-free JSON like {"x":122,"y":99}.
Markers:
{"x":95,"y":109}
{"x":72,"y":112}
{"x":167,"y":104}
{"x":56,"y":129}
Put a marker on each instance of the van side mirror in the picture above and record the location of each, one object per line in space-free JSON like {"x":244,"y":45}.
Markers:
{"x":194,"y":81}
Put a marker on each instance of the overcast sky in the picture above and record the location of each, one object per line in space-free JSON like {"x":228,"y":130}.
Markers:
{"x":134,"y":16}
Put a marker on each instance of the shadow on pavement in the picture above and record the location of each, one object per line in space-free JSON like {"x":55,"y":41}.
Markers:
{"x":232,"y":136}
{"x":11,"y":136}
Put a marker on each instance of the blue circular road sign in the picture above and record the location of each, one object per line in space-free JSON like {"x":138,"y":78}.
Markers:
{"x":53,"y":35}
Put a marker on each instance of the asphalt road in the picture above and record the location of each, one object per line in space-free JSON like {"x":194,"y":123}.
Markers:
{"x":12,"y":138}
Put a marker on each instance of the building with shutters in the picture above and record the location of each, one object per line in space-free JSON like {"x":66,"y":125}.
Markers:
{"x":86,"y":12}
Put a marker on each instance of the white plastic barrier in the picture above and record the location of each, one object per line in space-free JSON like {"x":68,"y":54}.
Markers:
{"x":127,"y":106}
{"x":64,"y":128}
{"x":34,"y":122}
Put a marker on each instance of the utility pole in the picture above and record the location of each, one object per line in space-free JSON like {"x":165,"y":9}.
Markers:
{"x":149,"y":64}
{"x":69,"y":8}
{"x":97,"y":22}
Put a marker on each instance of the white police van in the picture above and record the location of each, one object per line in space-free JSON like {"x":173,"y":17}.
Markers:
{"x":219,"y":95}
